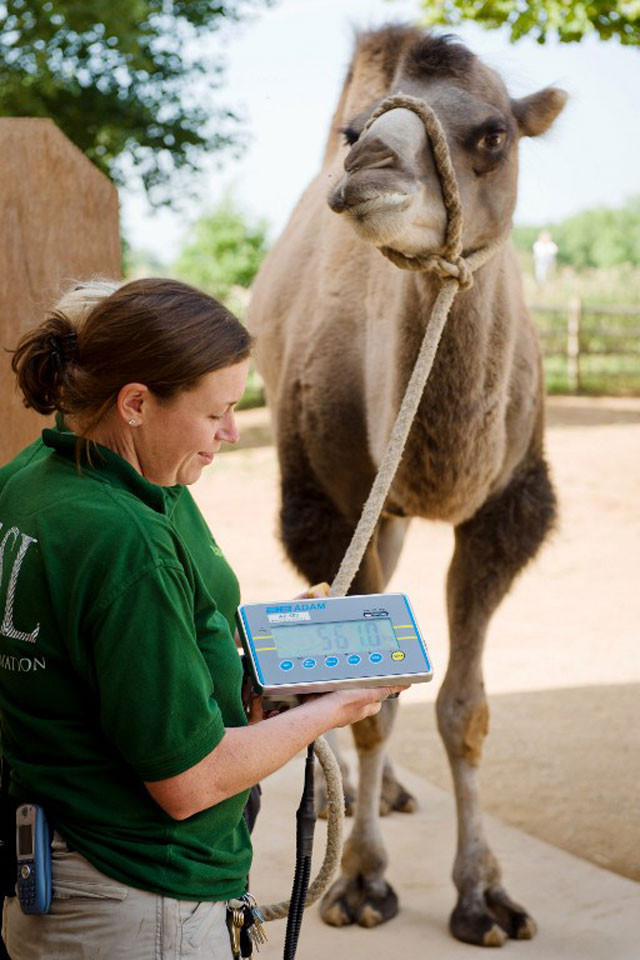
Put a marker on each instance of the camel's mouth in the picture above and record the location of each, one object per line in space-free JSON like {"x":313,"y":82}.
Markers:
{"x":387,"y":218}
{"x":382,"y":203}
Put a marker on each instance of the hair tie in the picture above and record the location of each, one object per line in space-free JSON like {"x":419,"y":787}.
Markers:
{"x":63,"y":348}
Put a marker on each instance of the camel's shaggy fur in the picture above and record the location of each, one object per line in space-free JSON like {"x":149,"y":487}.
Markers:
{"x":338,"y":330}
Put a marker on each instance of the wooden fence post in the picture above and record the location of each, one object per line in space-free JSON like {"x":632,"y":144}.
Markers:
{"x":58,"y":223}
{"x":573,"y":344}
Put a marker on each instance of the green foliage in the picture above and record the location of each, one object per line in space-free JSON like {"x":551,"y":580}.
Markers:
{"x":601,"y":238}
{"x":598,"y":264}
{"x":617,"y":286}
{"x":568,"y":20}
{"x":609,"y":346}
{"x":222,"y":252}
{"x":124,"y":81}
{"x":253,"y":395}
{"x":524,"y":237}
{"x":140,"y":263}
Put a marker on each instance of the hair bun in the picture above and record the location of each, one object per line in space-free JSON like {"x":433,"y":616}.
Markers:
{"x":42,"y":360}
{"x":63,"y":348}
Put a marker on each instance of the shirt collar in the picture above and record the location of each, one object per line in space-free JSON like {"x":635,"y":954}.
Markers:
{"x":109,"y":467}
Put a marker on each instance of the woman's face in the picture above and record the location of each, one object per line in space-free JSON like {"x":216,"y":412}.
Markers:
{"x":176,"y":439}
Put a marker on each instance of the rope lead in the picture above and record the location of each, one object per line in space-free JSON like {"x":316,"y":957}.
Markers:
{"x":455,"y":273}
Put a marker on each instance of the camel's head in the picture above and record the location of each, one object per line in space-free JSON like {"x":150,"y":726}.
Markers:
{"x":390,"y":189}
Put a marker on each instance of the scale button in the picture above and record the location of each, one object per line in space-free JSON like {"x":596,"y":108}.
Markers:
{"x":397,"y":655}
{"x":309,"y":663}
{"x":331,"y":662}
{"x":286,"y":664}
{"x":353,"y":658}
{"x":375,"y":657}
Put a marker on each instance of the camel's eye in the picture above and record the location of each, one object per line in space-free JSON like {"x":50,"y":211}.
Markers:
{"x":492,"y":140}
{"x":350,"y":135}
{"x":488,"y":144}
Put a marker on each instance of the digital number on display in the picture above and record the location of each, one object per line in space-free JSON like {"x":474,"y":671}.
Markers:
{"x":353,"y":636}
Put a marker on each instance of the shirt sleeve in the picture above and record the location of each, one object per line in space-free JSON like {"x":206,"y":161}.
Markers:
{"x":156,"y":697}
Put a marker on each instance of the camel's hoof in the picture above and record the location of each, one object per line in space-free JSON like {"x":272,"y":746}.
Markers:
{"x":378,"y":906}
{"x":491,"y":922}
{"x":395,"y":797}
{"x":322,"y":810}
{"x":513,"y":918}
{"x":354,"y":900}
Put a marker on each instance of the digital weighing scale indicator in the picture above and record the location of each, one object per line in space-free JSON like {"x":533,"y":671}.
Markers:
{"x":315,"y":646}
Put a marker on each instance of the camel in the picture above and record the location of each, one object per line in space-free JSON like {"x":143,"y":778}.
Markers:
{"x":338,"y":328}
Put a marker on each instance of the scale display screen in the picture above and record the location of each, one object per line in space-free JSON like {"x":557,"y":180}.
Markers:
{"x":320,"y":644}
{"x":350,"y":636}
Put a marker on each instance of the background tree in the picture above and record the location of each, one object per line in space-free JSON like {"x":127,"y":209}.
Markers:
{"x":138,"y":263}
{"x":569,"y":20}
{"x":131,"y":84}
{"x":605,"y":237}
{"x":222,"y":252}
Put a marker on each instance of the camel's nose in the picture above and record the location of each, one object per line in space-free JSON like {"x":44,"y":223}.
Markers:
{"x":336,"y":198}
{"x":368,"y":167}
{"x":370,"y":153}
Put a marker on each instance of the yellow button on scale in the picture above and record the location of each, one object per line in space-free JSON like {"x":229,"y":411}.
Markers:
{"x":397,"y":655}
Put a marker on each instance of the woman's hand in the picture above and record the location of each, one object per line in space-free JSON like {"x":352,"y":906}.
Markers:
{"x":251,"y":701}
{"x":353,"y":705}
{"x":315,"y":592}
{"x":255,"y":713}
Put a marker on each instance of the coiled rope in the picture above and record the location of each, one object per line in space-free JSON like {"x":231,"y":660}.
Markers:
{"x":455,"y":272}
{"x":335,"y":823}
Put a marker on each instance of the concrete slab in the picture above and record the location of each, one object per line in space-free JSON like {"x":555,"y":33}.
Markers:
{"x":583,"y":912}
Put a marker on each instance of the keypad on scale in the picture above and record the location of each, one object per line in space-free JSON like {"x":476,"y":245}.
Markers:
{"x":309,"y":663}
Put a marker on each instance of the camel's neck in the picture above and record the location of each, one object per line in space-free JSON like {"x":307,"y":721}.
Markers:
{"x":473,"y":316}
{"x":473,"y":356}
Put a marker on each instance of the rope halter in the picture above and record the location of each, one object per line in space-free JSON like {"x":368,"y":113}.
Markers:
{"x":450,"y":263}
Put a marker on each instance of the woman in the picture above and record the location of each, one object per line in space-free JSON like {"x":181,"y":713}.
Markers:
{"x":75,"y":305}
{"x":121,"y":686}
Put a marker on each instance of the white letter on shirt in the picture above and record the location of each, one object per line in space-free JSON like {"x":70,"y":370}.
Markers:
{"x":7,"y":627}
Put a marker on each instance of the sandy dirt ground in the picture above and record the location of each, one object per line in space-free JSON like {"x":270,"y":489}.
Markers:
{"x":562,"y":665}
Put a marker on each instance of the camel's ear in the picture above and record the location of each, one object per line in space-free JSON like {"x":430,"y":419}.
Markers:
{"x":536,"y":113}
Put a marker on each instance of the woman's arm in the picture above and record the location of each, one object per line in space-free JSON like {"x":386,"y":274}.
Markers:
{"x":246,"y":755}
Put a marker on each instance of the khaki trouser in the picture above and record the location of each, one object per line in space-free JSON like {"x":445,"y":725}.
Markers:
{"x":95,"y":918}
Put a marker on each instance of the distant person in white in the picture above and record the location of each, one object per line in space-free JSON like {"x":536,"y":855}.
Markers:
{"x":544,"y":257}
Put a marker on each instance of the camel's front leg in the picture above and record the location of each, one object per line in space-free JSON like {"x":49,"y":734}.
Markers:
{"x":393,"y":796}
{"x":484,"y":913}
{"x":490,"y":550}
{"x":362,"y":895}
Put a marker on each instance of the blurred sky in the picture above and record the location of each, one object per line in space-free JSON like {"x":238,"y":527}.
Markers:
{"x":285,"y":69}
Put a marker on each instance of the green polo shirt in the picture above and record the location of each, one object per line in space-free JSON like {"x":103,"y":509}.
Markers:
{"x":117,"y":666}
{"x":185,"y":516}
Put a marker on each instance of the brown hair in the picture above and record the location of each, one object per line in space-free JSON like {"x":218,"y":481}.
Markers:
{"x":162,"y":333}
{"x":81,"y":296}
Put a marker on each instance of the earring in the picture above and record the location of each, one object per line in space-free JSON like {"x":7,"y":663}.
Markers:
{"x":132,"y":422}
